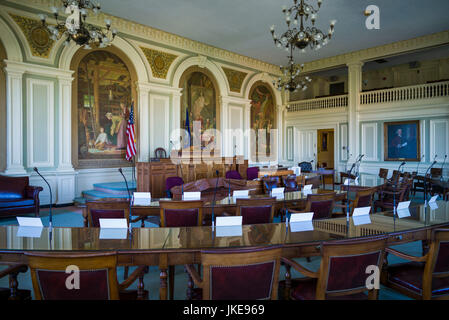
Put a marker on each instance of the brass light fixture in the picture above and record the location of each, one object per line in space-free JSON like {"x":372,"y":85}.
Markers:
{"x":75,"y":28}
{"x":291,"y":79}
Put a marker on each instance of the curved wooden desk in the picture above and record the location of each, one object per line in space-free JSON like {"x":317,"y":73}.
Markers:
{"x":177,"y":246}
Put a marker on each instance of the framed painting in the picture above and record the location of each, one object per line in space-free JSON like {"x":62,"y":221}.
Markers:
{"x":401,"y":141}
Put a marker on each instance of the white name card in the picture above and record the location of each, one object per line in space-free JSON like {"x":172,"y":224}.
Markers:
{"x":229,"y":226}
{"x":296,"y":170}
{"x":403,"y":213}
{"x":113,"y":233}
{"x":191,"y":196}
{"x":240,"y":194}
{"x":301,"y":226}
{"x":362,"y":219}
{"x":308,"y":187}
{"x":142,"y":198}
{"x":433,"y":205}
{"x":433,"y":199}
{"x":403,"y":205}
{"x":29,"y":232}
{"x":277,"y":191}
{"x":347,"y":182}
{"x":301,"y":217}
{"x":229,"y":221}
{"x":356,"y":181}
{"x":113,"y":224}
{"x":29,"y":222}
{"x":363,"y":211}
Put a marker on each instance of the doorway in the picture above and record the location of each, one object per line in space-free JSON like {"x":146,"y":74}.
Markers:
{"x":325,"y":148}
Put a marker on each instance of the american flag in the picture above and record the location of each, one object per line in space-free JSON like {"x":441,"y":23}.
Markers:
{"x":131,"y":145}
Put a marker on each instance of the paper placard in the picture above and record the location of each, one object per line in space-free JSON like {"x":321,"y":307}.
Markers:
{"x":113,"y":233}
{"x":403,"y":205}
{"x":142,"y":198}
{"x":301,"y":217}
{"x":276,"y":191}
{"x":307,"y":187}
{"x":403,"y":213}
{"x":433,"y":205}
{"x":301,"y":226}
{"x":433,"y":199}
{"x":29,"y":222}
{"x":29,"y":232}
{"x":363,"y":211}
{"x":356,"y":181}
{"x":307,"y":192}
{"x":362,"y":219}
{"x":279,"y":196}
{"x":229,"y":221}
{"x":240,"y":194}
{"x":191,"y":195}
{"x":296,"y":170}
{"x":229,"y":231}
{"x":113,"y":223}
{"x":347,"y":182}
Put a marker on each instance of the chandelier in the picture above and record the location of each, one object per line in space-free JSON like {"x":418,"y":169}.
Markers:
{"x":75,"y":28}
{"x":298,"y":34}
{"x":291,"y":79}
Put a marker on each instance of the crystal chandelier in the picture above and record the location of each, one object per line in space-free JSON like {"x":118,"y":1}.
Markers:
{"x":291,"y":79}
{"x":75,"y":28}
{"x":298,"y":34}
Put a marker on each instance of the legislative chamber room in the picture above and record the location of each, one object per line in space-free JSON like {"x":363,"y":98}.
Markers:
{"x":189,"y":150}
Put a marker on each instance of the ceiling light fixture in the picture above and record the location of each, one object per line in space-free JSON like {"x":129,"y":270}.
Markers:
{"x":291,"y":79}
{"x":75,"y":27}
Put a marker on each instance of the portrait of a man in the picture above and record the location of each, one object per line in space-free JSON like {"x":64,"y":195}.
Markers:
{"x":402,"y":141}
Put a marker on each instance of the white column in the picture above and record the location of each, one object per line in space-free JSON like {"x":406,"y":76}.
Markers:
{"x":248,"y":131}
{"x":143,"y":148}
{"x":280,"y":132}
{"x":224,"y":126}
{"x":354,"y":89}
{"x":14,"y":122}
{"x":65,"y":124}
{"x":176,"y":117}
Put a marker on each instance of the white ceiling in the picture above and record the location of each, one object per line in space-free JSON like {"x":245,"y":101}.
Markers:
{"x":242,"y":26}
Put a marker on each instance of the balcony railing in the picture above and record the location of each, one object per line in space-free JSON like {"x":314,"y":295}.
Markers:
{"x":423,"y":91}
{"x":319,"y":103}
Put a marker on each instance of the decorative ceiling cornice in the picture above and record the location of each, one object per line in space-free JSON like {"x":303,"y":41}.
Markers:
{"x":161,"y":37}
{"x":159,"y":61}
{"x":37,"y":36}
{"x":235,"y":79}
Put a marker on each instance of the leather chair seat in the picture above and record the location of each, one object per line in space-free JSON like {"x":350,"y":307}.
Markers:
{"x":306,"y":290}
{"x":409,"y":275}
{"x":8,"y":203}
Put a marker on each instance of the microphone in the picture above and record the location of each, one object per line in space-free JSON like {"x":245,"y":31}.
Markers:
{"x":401,"y":165}
{"x":425,"y":181}
{"x":213,"y":201}
{"x":129,"y":196}
{"x":417,"y":167}
{"x":51,"y":198}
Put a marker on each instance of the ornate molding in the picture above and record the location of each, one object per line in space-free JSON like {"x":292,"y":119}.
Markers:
{"x":162,"y":37}
{"x":235,"y":79}
{"x":37,"y":36}
{"x":159,"y":61}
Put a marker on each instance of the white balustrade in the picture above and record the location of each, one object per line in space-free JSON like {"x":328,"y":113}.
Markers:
{"x":319,"y":103}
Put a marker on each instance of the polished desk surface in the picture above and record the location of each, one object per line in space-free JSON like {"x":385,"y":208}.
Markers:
{"x":187,"y":239}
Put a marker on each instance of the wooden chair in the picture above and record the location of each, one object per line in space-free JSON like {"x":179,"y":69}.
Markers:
{"x":179,"y":214}
{"x":233,"y":174}
{"x":383,"y":173}
{"x":236,"y":274}
{"x":252,"y":173}
{"x":160,"y":153}
{"x":314,"y":181}
{"x":13,"y":292}
{"x":321,"y":205}
{"x":97,"y":277}
{"x":342,"y":273}
{"x":269,"y":183}
{"x":255,"y":211}
{"x":425,"y":277}
{"x":104,"y":209}
{"x":290,"y":183}
{"x":171,"y":182}
{"x":363,"y":198}
{"x":305,"y":166}
{"x":388,"y":196}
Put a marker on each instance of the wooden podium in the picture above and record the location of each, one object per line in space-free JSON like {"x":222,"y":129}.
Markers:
{"x":190,"y":164}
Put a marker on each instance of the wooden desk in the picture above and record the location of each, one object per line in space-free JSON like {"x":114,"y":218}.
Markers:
{"x":178,"y":246}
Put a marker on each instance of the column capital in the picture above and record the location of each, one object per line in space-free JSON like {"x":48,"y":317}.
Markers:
{"x":355,"y":64}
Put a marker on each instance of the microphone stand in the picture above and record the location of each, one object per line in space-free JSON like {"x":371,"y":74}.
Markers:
{"x":213,"y":201}
{"x":395,"y":188}
{"x":130,"y":200}
{"x":425,"y":183}
{"x":442,"y":168}
{"x":347,"y":193}
{"x":51,"y":199}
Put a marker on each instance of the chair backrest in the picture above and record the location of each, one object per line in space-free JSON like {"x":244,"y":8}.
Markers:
{"x":171,"y":182}
{"x":97,"y":276}
{"x":290,"y":183}
{"x":405,"y":188}
{"x":243,"y":274}
{"x":255,"y":211}
{"x":181,"y":213}
{"x":270,"y":183}
{"x":321,"y":205}
{"x":314,"y":181}
{"x":13,"y":187}
{"x":233,"y":174}
{"x":305,"y":166}
{"x":344,"y":263}
{"x":106,"y":209}
{"x":436,"y":173}
{"x":160,"y":153}
{"x":364,"y":198}
{"x":252,"y":173}
{"x":383,"y":173}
